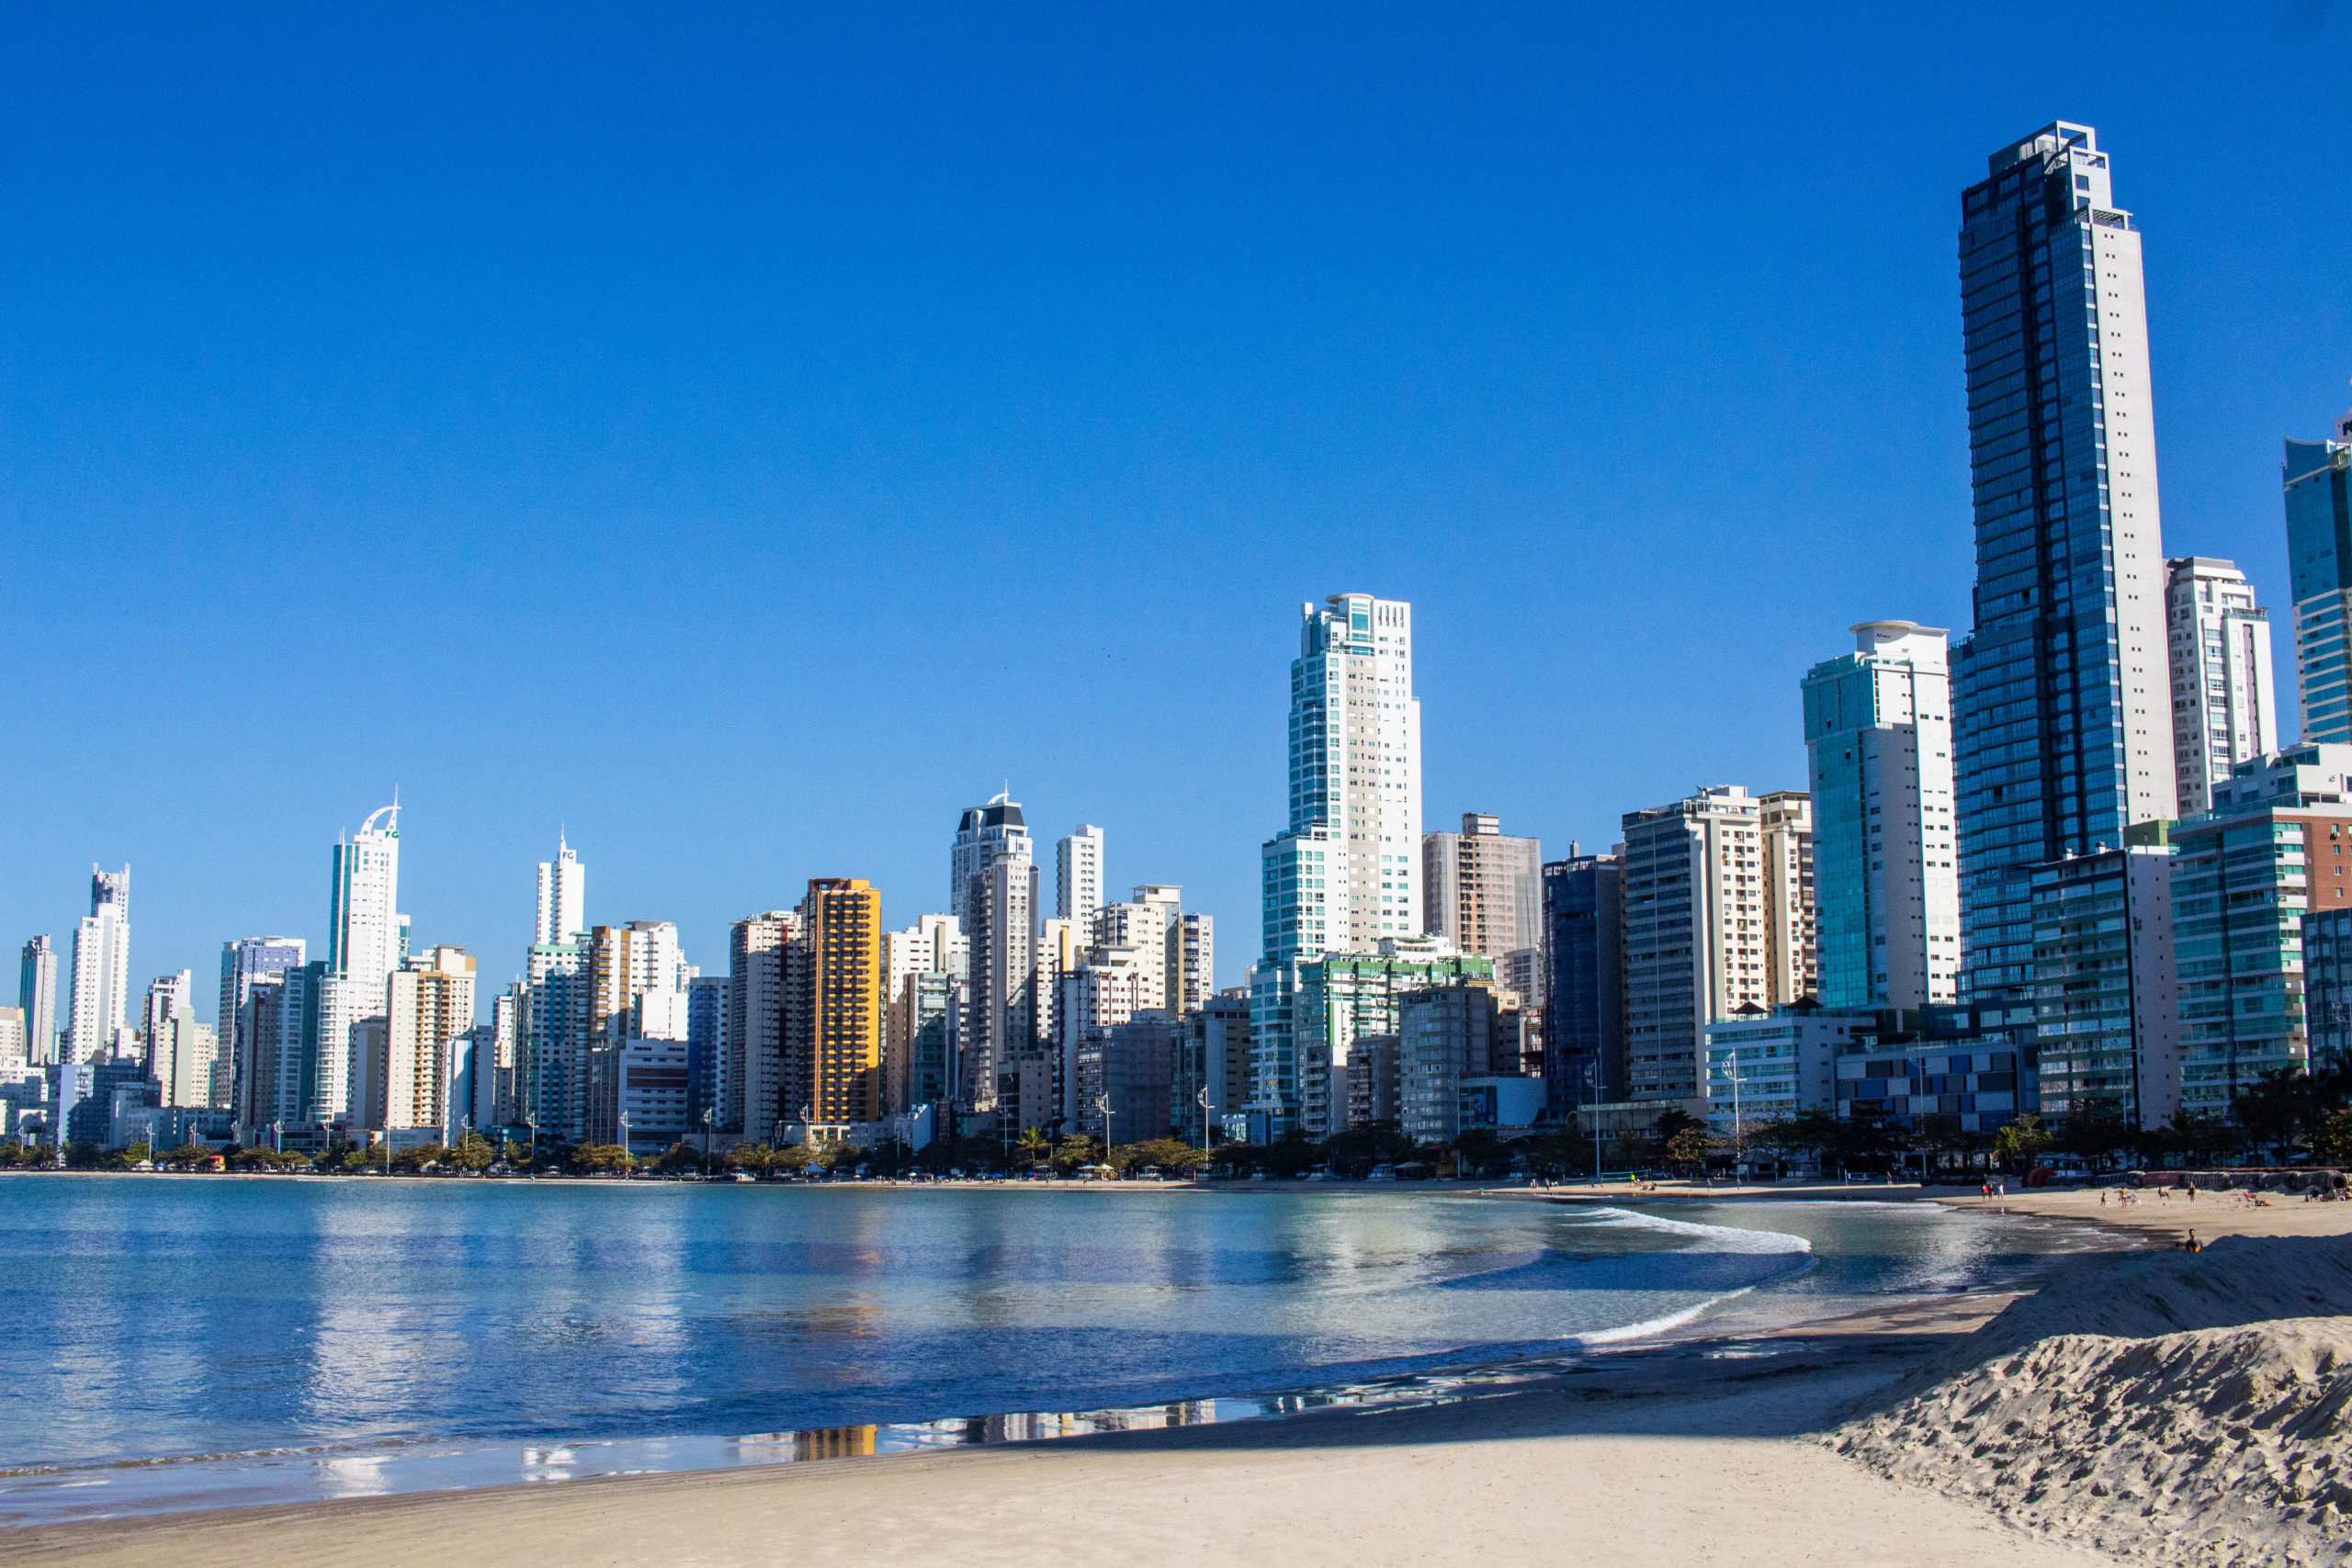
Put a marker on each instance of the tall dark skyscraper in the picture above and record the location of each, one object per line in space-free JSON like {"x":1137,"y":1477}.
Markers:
{"x":2062,"y":716}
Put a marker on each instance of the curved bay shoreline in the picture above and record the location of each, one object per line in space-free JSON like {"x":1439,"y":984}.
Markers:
{"x":1707,"y":1446}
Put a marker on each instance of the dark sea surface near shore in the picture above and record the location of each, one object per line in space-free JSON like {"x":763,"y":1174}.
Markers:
{"x":194,"y":1342}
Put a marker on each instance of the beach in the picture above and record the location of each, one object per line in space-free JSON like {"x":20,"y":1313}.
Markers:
{"x":1852,"y":1439}
{"x":1631,"y":1466}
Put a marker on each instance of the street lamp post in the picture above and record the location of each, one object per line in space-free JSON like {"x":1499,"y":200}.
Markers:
{"x":1738,"y":1130}
{"x":1204,"y":1098}
{"x":1593,"y":1088}
{"x":1102,"y":1104}
{"x":624,"y":1143}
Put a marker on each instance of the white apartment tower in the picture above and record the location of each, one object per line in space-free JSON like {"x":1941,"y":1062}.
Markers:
{"x":1483,"y":890}
{"x":1695,"y":938}
{"x":363,"y":921}
{"x":101,"y":999}
{"x":563,"y":895}
{"x":2224,"y":705}
{"x":1355,"y":787}
{"x":995,"y":887}
{"x":1886,"y":885}
{"x":1078,"y":875}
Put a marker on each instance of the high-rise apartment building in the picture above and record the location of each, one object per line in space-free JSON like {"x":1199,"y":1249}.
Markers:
{"x":1886,"y":890}
{"x":1191,"y":963}
{"x":553,"y":1053}
{"x":2273,"y":850}
{"x":1695,"y":933}
{"x":37,"y":995}
{"x":101,"y":998}
{"x":997,"y":909}
{"x":363,"y":917}
{"x":245,"y":961}
{"x":430,"y":1006}
{"x":753,"y":1086}
{"x":925,"y":968}
{"x":166,"y":995}
{"x":2224,"y":702}
{"x":1481,"y":889}
{"x":2060,"y":708}
{"x":833,"y":1005}
{"x":15,"y":1055}
{"x":181,"y":1058}
{"x":705,"y":1048}
{"x":2316,"y":481}
{"x":1078,"y":875}
{"x":625,"y":962}
{"x":1791,"y":951}
{"x":1346,"y":873}
{"x":1141,"y":928}
{"x":563,"y":895}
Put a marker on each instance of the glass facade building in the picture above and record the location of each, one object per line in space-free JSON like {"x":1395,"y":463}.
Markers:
{"x":2319,"y":547}
{"x":2061,"y":712}
{"x":1584,"y":997}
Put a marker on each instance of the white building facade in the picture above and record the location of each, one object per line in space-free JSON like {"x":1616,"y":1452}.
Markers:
{"x":101,"y":998}
{"x":563,"y":895}
{"x":1695,"y":944}
{"x":1346,"y":873}
{"x":2224,"y":696}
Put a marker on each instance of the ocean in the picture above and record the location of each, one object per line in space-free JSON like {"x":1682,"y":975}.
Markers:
{"x":190,"y":1342}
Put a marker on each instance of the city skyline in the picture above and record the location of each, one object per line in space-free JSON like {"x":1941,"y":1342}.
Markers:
{"x":1877,"y":406}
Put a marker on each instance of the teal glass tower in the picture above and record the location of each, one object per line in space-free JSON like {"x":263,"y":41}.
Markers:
{"x":2319,"y":543}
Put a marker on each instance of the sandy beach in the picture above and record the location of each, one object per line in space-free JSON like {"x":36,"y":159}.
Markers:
{"x":1851,"y":1441}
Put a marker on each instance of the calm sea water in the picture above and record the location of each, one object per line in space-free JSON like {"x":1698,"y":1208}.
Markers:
{"x":282,"y":1338}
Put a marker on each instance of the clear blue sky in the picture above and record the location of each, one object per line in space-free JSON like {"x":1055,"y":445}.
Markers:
{"x":749,"y":438}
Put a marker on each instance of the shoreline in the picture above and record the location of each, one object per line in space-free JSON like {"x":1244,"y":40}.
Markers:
{"x":1732,"y":1326}
{"x":1729,"y":1414}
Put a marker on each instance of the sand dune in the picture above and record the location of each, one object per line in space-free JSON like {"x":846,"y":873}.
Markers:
{"x":2170,"y":1407}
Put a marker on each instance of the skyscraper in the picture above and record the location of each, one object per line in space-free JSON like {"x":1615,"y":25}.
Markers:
{"x":2061,"y":713}
{"x":1887,"y":894}
{"x":2224,"y":703}
{"x":101,"y":998}
{"x":2316,"y":481}
{"x":996,"y":905}
{"x":1356,"y":785}
{"x":1481,"y":890}
{"x":563,"y":895}
{"x":1346,"y":873}
{"x":1078,"y":875}
{"x":37,"y":995}
{"x":363,"y":919}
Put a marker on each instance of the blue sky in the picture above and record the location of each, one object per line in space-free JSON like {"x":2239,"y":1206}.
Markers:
{"x":748,"y":437}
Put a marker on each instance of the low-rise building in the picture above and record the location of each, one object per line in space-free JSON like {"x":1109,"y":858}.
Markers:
{"x":1766,"y":1063}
